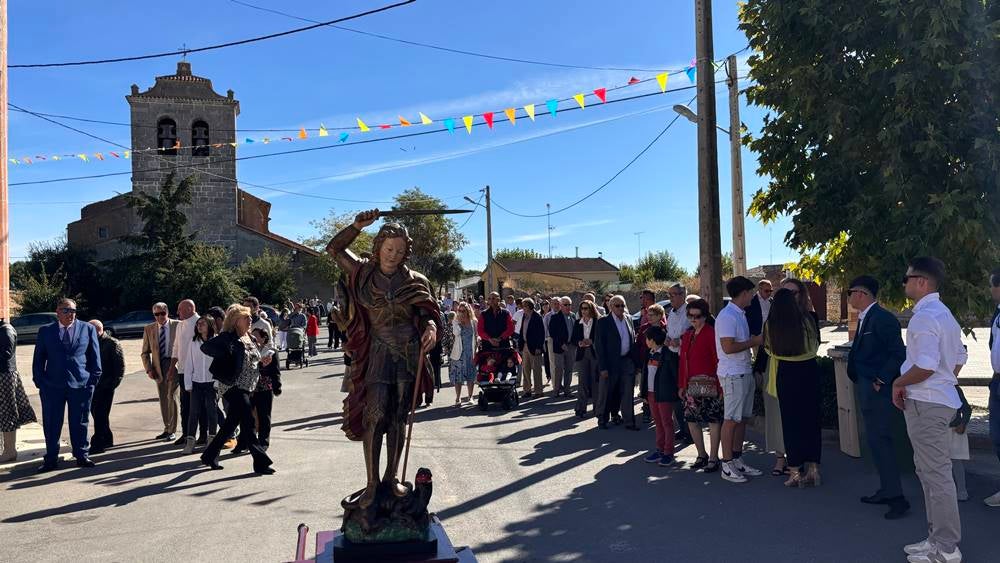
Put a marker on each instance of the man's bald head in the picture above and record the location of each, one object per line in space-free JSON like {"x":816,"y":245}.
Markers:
{"x":185,"y":309}
{"x":98,"y":325}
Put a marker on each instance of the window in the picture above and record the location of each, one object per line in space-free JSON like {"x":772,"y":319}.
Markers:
{"x":166,"y":136}
{"x":199,"y":139}
{"x":102,"y":233}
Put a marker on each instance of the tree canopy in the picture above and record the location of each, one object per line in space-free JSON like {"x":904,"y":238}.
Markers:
{"x":882,"y":140}
{"x":431,"y":234}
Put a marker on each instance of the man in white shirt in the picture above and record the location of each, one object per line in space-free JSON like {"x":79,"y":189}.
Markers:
{"x":518,"y":315}
{"x":926,"y":394}
{"x":677,"y":325}
{"x":994,"y":404}
{"x":510,"y":305}
{"x":733,"y":343}
{"x":186,"y":312}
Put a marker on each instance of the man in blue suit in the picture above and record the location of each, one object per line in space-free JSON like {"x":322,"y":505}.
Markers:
{"x":873,"y":364}
{"x":66,"y":367}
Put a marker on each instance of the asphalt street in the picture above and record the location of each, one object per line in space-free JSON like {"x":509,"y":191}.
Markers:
{"x":533,"y":484}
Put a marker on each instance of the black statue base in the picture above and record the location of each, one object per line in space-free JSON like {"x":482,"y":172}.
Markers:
{"x":390,"y":519}
{"x":348,"y":551}
{"x":327,"y":551}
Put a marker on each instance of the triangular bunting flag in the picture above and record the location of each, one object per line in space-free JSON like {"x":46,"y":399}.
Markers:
{"x":343,"y":137}
{"x":633,"y":80}
{"x":28,"y":160}
{"x":114,"y":154}
{"x":661,"y":79}
{"x":39,"y":157}
{"x":468,"y":123}
{"x":289,"y":139}
{"x":511,"y":114}
{"x":552,"y":105}
{"x":386,"y":126}
{"x":129,"y":153}
{"x":361,"y":125}
{"x":231,"y":144}
{"x":322,"y":131}
{"x":303,"y":134}
{"x":267,"y":140}
{"x":579,"y":100}
{"x":602,"y":94}
{"x":449,"y":124}
{"x":98,"y":155}
{"x":692,"y":73}
{"x":403,"y":122}
{"x":82,"y":157}
{"x":56,"y":157}
{"x":14,"y":161}
{"x":424,"y":119}
{"x":248,"y":140}
{"x":530,"y":110}
{"x":488,"y":116}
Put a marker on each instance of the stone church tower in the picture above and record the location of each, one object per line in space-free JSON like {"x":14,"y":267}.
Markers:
{"x":182,"y":110}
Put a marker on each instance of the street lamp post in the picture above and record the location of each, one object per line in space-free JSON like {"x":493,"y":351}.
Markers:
{"x":489,"y":238}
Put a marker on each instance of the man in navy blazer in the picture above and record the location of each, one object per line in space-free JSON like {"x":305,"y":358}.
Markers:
{"x":66,"y":368}
{"x":873,"y":364}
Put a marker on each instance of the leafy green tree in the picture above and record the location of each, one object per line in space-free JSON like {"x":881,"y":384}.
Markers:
{"x":39,"y":293}
{"x":204,"y":277}
{"x":662,"y":266}
{"x":515,"y":254}
{"x":74,"y":269}
{"x":324,"y":267}
{"x":444,"y":267}
{"x":881,"y":142}
{"x":431,"y":234}
{"x":268,"y":277}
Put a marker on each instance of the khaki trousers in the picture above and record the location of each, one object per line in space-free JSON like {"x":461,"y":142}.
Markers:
{"x":167,"y":391}
{"x":531,"y":372}
{"x":927,"y":425}
{"x":562,"y":376}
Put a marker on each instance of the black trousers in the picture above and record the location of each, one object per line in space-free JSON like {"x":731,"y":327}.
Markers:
{"x":262,"y":402}
{"x":240,"y":414}
{"x":799,"y":397}
{"x":100,"y":410}
{"x":681,"y":424}
{"x":333,"y":337}
{"x":185,"y":409}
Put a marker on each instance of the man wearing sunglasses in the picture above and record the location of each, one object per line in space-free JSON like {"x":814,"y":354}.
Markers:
{"x":615,"y":336}
{"x":994,"y":500}
{"x":157,"y":347}
{"x":66,"y":367}
{"x":926,"y":393}
{"x":873,"y":364}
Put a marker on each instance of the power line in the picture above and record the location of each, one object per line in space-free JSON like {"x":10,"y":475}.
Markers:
{"x":186,"y":52}
{"x":602,"y":186}
{"x":323,"y":147}
{"x":448,"y":49}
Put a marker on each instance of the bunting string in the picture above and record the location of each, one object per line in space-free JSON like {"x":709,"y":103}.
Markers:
{"x":597,"y":95}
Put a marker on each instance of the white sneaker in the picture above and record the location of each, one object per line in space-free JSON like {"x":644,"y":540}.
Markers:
{"x":936,"y":556}
{"x":993,"y":500}
{"x":730,"y":473}
{"x":746,"y":469}
{"x":917,"y":548}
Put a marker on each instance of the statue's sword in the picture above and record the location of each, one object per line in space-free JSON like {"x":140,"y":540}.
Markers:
{"x":418,"y":212}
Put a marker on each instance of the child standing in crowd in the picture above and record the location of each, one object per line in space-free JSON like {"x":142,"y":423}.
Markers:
{"x":268,"y":387}
{"x":959,"y":445}
{"x":198,"y":381}
{"x":312,"y":331}
{"x":659,"y":388}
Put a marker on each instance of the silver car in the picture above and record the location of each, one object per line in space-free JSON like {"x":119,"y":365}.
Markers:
{"x":129,"y":324}
{"x":27,"y":325}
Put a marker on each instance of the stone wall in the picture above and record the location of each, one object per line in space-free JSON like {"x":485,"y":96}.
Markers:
{"x":250,"y":243}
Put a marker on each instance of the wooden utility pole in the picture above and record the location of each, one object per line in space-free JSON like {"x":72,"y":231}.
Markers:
{"x":489,"y":245}
{"x":710,"y":239}
{"x":736,"y":169}
{"x":4,"y":214}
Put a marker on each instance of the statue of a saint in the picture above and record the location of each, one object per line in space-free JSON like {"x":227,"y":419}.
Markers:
{"x":392,"y":320}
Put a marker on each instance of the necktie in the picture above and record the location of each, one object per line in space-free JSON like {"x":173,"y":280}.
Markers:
{"x":163,"y":342}
{"x":67,"y":341}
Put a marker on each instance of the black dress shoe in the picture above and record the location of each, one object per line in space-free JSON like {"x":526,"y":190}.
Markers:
{"x":85,"y":462}
{"x":211,"y":463}
{"x":632,"y":427}
{"x":95,"y":451}
{"x":898,"y":507}
{"x":616,"y":420}
{"x":46,"y":467}
{"x":602,"y":425}
{"x":180,"y":441}
{"x":201,"y":441}
{"x":877,"y":498}
{"x":264,"y":471}
{"x":163,"y":436}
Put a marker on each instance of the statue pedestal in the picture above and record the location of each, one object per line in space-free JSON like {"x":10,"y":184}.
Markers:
{"x":331,"y":547}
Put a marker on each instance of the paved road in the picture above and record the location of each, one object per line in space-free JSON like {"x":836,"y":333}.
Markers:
{"x":534,"y":484}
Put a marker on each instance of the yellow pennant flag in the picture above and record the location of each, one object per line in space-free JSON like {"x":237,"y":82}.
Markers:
{"x":661,"y":79}
{"x":267,"y":140}
{"x":322,"y":131}
{"x":424,"y":119}
{"x":55,"y":157}
{"x":579,"y":99}
{"x":402,"y":121}
{"x":468,"y":123}
{"x":362,"y":126}
{"x":82,"y":157}
{"x":128,"y":154}
{"x":530,"y":110}
{"x":303,"y":134}
{"x":233,"y":144}
{"x":511,"y":115}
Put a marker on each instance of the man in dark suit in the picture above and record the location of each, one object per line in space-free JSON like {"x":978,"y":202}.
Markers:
{"x":564,"y":353}
{"x":112,"y":373}
{"x":876,"y":355}
{"x":532,"y":341}
{"x":757,"y":312}
{"x":615,"y":335}
{"x":66,"y":368}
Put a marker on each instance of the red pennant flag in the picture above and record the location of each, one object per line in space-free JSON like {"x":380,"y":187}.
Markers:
{"x":633,"y":80}
{"x":488,"y":116}
{"x":114,"y":154}
{"x":384,"y":126}
{"x":286,"y":138}
{"x":602,"y":94}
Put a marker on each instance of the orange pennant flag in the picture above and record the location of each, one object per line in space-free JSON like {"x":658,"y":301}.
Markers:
{"x":511,"y":114}
{"x":403,"y":121}
{"x":579,"y":100}
{"x":303,"y":134}
{"x":530,"y":110}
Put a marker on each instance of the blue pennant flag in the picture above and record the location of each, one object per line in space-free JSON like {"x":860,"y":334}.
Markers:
{"x":692,"y":73}
{"x":552,"y":104}
{"x":343,"y":137}
{"x":449,"y":124}
{"x":248,"y":140}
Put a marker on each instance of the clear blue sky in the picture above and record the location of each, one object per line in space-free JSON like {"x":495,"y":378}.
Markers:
{"x":332,"y":76}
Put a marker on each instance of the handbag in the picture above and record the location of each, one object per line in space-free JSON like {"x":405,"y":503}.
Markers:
{"x":699,"y":386}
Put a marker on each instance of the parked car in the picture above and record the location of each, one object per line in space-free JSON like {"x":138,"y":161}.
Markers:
{"x":129,"y":324}
{"x":27,"y":325}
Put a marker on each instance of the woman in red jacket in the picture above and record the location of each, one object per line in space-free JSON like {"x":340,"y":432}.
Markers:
{"x":698,"y":383}
{"x":312,"y":330}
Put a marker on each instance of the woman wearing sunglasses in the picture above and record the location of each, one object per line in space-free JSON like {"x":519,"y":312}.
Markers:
{"x":698,"y":384}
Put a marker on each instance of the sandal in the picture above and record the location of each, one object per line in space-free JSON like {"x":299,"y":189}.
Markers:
{"x":712,"y":466}
{"x":699,"y":463}
{"x":780,"y":471}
